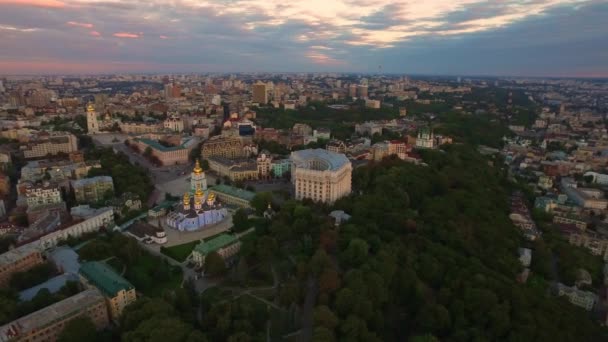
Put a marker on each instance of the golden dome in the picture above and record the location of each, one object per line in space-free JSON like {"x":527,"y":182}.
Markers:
{"x":199,"y":191}
{"x":211,"y":197}
{"x":197,"y":200}
{"x":90,"y":108}
{"x":187,"y":198}
{"x":197,"y":168}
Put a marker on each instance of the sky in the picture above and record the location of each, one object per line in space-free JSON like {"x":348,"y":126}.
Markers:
{"x":441,"y":37}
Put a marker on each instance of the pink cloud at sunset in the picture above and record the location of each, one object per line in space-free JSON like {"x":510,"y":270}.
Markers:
{"x":75,"y":23}
{"x":95,"y":34}
{"x":34,"y":3}
{"x":163,"y":37}
{"x":126,"y":35}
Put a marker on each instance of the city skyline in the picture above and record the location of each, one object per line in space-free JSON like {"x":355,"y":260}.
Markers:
{"x":560,"y":38}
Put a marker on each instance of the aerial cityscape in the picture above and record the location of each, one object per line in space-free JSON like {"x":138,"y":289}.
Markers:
{"x":338,"y":171}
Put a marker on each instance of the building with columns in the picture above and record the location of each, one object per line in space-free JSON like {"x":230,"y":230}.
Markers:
{"x":320,"y":175}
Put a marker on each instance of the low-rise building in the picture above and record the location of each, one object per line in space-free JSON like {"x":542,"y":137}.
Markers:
{"x":117,"y":291}
{"x":233,"y":196}
{"x":225,"y":245}
{"x":92,"y":190}
{"x":48,"y":323}
{"x":50,"y":143}
{"x":148,"y":233}
{"x":93,"y":220}
{"x":227,"y":147}
{"x":280,"y":167}
{"x":235,"y":169}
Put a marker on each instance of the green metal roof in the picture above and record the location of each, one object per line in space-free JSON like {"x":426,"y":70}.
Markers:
{"x":104,"y":278}
{"x":216,"y":243}
{"x":232,"y":191}
{"x":157,"y":146}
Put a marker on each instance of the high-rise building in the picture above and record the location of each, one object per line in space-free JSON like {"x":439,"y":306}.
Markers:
{"x":2,"y":90}
{"x":92,"y":123}
{"x":352,"y":90}
{"x":362,"y":91}
{"x":259,"y":93}
{"x":320,"y":175}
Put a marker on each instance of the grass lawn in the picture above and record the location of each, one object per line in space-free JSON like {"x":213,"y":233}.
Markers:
{"x":179,"y":252}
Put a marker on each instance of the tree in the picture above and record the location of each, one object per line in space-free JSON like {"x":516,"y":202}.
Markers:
{"x":260,"y":202}
{"x":78,"y":329}
{"x":323,"y":316}
{"x":215,"y":264}
{"x":147,"y":152}
{"x":356,"y":253}
{"x":240,"y":220}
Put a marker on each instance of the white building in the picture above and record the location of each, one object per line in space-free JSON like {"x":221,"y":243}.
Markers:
{"x":425,"y":139}
{"x":174,"y":123}
{"x":92,"y":123}
{"x":320,"y":175}
{"x":584,"y":299}
{"x":94,"y":219}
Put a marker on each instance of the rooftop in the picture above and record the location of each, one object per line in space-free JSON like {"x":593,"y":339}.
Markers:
{"x":19,"y":253}
{"x":158,"y":146}
{"x":215,"y":243}
{"x":92,"y":180}
{"x":104,"y":278}
{"x":333,"y":161}
{"x":54,"y":312}
{"x":232,"y":191}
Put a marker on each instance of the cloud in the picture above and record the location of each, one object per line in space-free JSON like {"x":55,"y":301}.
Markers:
{"x":350,"y":35}
{"x":75,"y":23}
{"x":126,"y":35}
{"x":34,"y":3}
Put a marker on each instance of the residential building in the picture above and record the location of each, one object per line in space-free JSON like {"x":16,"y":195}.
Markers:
{"x":5,"y":184}
{"x":225,"y":245}
{"x":92,"y":221}
{"x":116,"y":290}
{"x":374,"y":104}
{"x":320,"y":175}
{"x":18,"y":260}
{"x":336,"y":146}
{"x":584,"y":299}
{"x":50,"y":143}
{"x":226,"y":147}
{"x":235,"y":169}
{"x":140,"y":127}
{"x":302,"y":129}
{"x":259,"y":93}
{"x":92,"y":190}
{"x":588,"y":198}
{"x":280,"y":167}
{"x":42,"y":194}
{"x":264,"y":165}
{"x":47,"y":324}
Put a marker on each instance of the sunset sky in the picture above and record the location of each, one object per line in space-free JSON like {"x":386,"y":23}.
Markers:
{"x":456,"y":37}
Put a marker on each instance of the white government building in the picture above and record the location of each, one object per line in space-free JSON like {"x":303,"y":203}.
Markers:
{"x":320,"y":175}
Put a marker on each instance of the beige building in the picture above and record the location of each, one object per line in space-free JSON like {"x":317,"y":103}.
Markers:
{"x":42,"y":194}
{"x":19,"y":259}
{"x":50,"y":143}
{"x":225,"y":245}
{"x":91,"y":190}
{"x":116,"y":290}
{"x":139,"y":127}
{"x":235,"y":169}
{"x":264,"y":165}
{"x":48,"y":323}
{"x":174,"y":123}
{"x":226,"y":147}
{"x":166,"y":155}
{"x":320,"y":175}
{"x":259,"y":93}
